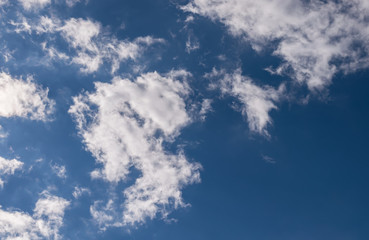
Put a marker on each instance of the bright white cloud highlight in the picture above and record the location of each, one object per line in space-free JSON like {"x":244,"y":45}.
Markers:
{"x":124,"y":125}
{"x":315,"y":39}
{"x":43,"y":224}
{"x":23,"y":98}
{"x":8,"y":167}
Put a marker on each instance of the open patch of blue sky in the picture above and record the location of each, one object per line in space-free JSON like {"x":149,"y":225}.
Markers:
{"x":184,"y":119}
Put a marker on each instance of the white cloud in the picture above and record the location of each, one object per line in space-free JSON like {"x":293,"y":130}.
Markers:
{"x":47,"y":25}
{"x":34,"y":4}
{"x":23,"y":98}
{"x":53,"y":53}
{"x":268,"y":159}
{"x":43,"y":224}
{"x":90,"y":44}
{"x":256,"y":101}
{"x":8,"y":167}
{"x":205,"y":108}
{"x":79,"y":191}
{"x":21,"y":26}
{"x":192,"y":44}
{"x":124,"y":124}
{"x":80,"y":33}
{"x":104,"y":215}
{"x":3,"y":134}
{"x":3,"y":2}
{"x":71,"y":3}
{"x":314,"y":38}
{"x":59,"y":170}
{"x":93,"y":47}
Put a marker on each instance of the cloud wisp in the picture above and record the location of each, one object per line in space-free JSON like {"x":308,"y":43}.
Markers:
{"x":256,"y":101}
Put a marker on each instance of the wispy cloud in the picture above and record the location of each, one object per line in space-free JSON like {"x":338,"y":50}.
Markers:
{"x":257,"y":101}
{"x":79,"y":191}
{"x":59,"y":170}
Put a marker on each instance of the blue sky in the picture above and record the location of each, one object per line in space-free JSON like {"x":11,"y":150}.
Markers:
{"x":184,"y":119}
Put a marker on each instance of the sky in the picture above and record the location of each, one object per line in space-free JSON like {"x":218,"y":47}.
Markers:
{"x":184,"y":119}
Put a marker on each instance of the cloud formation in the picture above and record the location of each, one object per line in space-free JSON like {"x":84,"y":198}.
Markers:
{"x":90,"y":45}
{"x":45,"y":222}
{"x":256,"y":101}
{"x":24,"y":98}
{"x":8,"y":167}
{"x":34,"y":4}
{"x":93,"y":47}
{"x":315,"y":39}
{"x":124,"y":125}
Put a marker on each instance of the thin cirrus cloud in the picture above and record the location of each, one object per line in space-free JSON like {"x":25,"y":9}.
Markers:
{"x":92,"y":46}
{"x":256,"y":101}
{"x":45,"y":222}
{"x":315,"y":39}
{"x":124,"y":124}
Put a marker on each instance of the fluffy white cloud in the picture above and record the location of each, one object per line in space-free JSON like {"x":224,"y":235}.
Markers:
{"x":8,"y":167}
{"x":80,"y":33}
{"x":23,"y":98}
{"x":34,"y":4}
{"x":43,"y":224}
{"x":314,"y":38}
{"x":124,"y":125}
{"x":256,"y":101}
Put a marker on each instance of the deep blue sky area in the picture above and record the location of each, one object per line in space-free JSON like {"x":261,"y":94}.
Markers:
{"x":300,"y":175}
